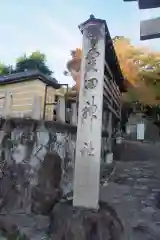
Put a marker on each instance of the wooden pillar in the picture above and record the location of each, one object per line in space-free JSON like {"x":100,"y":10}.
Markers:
{"x":109,"y":129}
{"x":7,"y":104}
{"x":45,"y":99}
{"x":37,"y":107}
{"x":88,"y":145}
{"x":74,"y":113}
{"x":61,"y":112}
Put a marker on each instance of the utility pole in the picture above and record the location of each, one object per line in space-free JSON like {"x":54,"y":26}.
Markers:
{"x":149,"y":29}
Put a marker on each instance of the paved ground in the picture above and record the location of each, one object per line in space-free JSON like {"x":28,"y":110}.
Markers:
{"x":133,"y":190}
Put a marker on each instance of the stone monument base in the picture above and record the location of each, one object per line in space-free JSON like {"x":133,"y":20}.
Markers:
{"x":69,"y":223}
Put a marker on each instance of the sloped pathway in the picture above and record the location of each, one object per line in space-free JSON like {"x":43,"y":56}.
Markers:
{"x":134,"y":188}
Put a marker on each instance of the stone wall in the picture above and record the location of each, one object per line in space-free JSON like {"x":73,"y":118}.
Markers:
{"x":27,"y":142}
{"x":36,"y":168}
{"x":36,"y":175}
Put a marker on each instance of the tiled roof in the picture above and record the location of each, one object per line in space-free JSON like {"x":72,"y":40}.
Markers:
{"x":29,"y":75}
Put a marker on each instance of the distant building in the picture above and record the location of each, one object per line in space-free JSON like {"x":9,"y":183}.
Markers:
{"x":24,"y":94}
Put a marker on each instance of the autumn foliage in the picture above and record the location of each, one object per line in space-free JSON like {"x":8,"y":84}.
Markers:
{"x":125,"y":53}
{"x":140,"y":67}
{"x":73,"y":67}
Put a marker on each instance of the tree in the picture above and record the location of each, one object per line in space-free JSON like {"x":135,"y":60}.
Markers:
{"x":126,"y":55}
{"x":73,"y":68}
{"x":35,"y":61}
{"x":141,"y":68}
{"x":4,"y":69}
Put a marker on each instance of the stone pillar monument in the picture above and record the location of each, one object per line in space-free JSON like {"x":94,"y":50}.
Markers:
{"x":88,"y":145}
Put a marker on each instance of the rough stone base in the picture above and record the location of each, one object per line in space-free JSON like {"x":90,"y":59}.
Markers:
{"x":24,"y":227}
{"x":65,"y":223}
{"x":69,"y":223}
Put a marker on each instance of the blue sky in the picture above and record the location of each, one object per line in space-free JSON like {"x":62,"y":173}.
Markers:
{"x":52,"y":27}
